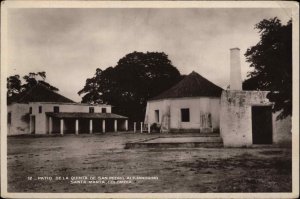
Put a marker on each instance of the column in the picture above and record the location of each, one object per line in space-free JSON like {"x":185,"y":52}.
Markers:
{"x":115,"y":125}
{"x":149,"y":128}
{"x":141,"y":127}
{"x":76,"y":126}
{"x":126,"y":125}
{"x":50,"y":125}
{"x":30,"y":124}
{"x":103,"y":126}
{"x":134,"y":127}
{"x":61,"y":126}
{"x":91,"y":126}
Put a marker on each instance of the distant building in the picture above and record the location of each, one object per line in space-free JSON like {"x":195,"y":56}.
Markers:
{"x":193,"y":104}
{"x":43,"y":111}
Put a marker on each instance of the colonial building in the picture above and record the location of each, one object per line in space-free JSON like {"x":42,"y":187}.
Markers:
{"x":193,"y":104}
{"x":43,"y":111}
{"x":244,"y":118}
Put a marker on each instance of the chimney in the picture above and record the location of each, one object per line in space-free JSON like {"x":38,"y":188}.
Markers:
{"x":235,"y":69}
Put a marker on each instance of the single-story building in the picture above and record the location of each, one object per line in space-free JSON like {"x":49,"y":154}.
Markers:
{"x":244,"y":118}
{"x":43,"y":111}
{"x":193,"y":104}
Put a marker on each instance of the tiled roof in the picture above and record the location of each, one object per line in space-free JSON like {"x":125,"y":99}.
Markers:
{"x":85,"y":115}
{"x":193,"y":85}
{"x":40,"y":93}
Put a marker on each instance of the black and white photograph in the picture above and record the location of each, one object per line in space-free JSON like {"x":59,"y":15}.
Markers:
{"x":139,"y":99}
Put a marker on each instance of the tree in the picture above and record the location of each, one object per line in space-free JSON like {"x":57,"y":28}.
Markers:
{"x":15,"y":86}
{"x":136,"y":78}
{"x":32,"y":79}
{"x":271,"y":59}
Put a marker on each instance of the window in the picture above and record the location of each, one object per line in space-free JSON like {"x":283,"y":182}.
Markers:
{"x":30,"y":110}
{"x":91,"y":110}
{"x":157,"y":115}
{"x":103,"y":110}
{"x":185,"y":115}
{"x":56,"y":109}
{"x":9,"y":118}
{"x":40,"y":109}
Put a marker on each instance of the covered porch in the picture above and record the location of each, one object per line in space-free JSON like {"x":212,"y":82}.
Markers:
{"x":85,"y":123}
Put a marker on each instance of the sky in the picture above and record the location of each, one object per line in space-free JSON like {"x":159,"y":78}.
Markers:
{"x":70,"y":43}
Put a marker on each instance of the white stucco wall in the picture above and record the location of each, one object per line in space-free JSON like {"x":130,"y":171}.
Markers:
{"x":18,"y":126}
{"x":19,"y":114}
{"x":195,"y":105}
{"x":41,"y":118}
{"x":236,"y":118}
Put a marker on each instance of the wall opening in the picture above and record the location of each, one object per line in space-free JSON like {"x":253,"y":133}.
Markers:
{"x":157,"y":116}
{"x":185,"y":115}
{"x":262,"y":125}
{"x":32,"y":124}
{"x":56,"y":109}
{"x":91,"y":110}
{"x":9,"y":118}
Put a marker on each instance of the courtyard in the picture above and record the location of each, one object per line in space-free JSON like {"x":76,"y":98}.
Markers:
{"x":98,"y":163}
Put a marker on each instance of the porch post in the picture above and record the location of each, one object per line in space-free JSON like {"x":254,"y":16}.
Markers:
{"x":50,"y":125}
{"x":103,"y":126}
{"x":126,"y":125}
{"x":141,"y":127}
{"x":61,"y":126}
{"x":76,"y":126}
{"x":30,"y":125}
{"x":134,"y":127}
{"x":116,"y":125}
{"x":91,"y":126}
{"x":149,"y":128}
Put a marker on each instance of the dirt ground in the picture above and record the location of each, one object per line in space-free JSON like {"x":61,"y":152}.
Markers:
{"x":100,"y":164}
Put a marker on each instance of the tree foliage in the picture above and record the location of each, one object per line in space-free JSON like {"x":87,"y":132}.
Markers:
{"x":271,"y":59}
{"x":136,"y":78}
{"x":15,"y":86}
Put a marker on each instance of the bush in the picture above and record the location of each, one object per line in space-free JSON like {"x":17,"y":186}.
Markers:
{"x":155,"y":127}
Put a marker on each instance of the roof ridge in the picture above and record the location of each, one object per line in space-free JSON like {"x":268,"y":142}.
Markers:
{"x":52,"y":90}
{"x":43,"y":87}
{"x":193,"y":85}
{"x":206,"y":79}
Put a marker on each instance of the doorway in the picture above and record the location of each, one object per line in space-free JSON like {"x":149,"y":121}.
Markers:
{"x":32,"y":125}
{"x":262,"y":125}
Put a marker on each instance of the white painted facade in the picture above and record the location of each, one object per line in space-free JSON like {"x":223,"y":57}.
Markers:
{"x":236,"y":119}
{"x":18,"y":119}
{"x":21,"y":120}
{"x":171,"y":108}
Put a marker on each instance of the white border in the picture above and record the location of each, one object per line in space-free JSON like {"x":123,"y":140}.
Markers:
{"x":152,"y":4}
